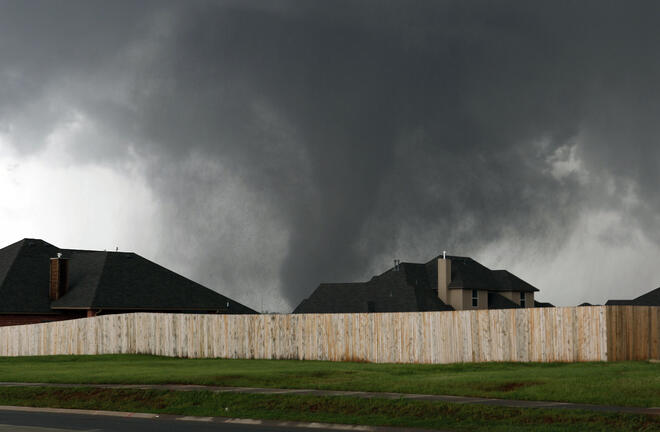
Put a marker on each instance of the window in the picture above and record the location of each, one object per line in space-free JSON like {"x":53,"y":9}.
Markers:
{"x":475,"y":298}
{"x":522,"y":299}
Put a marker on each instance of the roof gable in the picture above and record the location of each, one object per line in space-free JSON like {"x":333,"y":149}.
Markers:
{"x":507,"y":281}
{"x":7,"y":256}
{"x":335,"y":297}
{"x":498,"y":301}
{"x":130,"y":279}
{"x":125,"y":280}
{"x":392,"y":292}
{"x":24,"y":285}
{"x":466,"y":273}
{"x":651,"y":298}
{"x":99,"y":280}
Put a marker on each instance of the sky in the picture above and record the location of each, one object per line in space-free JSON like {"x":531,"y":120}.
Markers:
{"x":260,"y":148}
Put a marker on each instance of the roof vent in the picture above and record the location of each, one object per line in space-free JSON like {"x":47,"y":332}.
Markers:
{"x":396,"y":264}
{"x":444,"y":254}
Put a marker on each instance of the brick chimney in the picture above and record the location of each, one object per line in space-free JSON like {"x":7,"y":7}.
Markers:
{"x":444,"y":277}
{"x":59,"y":276}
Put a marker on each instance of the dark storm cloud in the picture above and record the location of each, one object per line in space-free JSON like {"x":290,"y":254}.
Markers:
{"x":43,"y":46}
{"x":364,"y":128}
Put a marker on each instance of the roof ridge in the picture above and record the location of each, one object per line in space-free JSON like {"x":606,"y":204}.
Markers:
{"x":341,"y":283}
{"x":170,"y":271}
{"x":647,"y":293}
{"x":451,"y":257}
{"x":98,"y":281}
{"x":13,"y":261}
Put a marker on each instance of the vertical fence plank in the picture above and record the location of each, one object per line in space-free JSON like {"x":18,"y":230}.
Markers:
{"x":545,"y":334}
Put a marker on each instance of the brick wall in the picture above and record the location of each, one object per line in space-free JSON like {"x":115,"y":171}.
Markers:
{"x":18,"y":319}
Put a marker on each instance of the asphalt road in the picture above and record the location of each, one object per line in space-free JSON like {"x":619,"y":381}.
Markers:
{"x":15,"y":421}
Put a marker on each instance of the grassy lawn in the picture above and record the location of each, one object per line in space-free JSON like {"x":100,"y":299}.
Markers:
{"x":622,"y":383}
{"x":382,"y":412}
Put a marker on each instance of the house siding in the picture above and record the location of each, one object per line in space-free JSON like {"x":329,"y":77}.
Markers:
{"x":514,"y":296}
{"x":461,"y":299}
{"x":529,"y":300}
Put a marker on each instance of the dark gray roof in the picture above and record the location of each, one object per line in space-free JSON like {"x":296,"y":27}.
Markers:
{"x":651,"y":298}
{"x":405,"y":289}
{"x":542,"y":304}
{"x":100,"y":280}
{"x":413,"y":287}
{"x":498,"y":301}
{"x":507,"y":281}
{"x":7,"y":257}
{"x":466,"y":273}
{"x":329,"y":297}
{"x":619,"y":303}
{"x":24,"y":277}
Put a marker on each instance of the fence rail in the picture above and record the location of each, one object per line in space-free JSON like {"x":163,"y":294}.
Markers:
{"x":597,"y":333}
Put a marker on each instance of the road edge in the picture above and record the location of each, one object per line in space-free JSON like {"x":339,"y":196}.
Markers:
{"x":226,"y":420}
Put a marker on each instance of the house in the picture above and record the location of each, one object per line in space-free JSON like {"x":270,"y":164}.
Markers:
{"x":408,"y":287}
{"x":40,"y":282}
{"x":651,"y":298}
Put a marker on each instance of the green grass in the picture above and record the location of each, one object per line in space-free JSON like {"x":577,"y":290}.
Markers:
{"x":406,"y":413}
{"x":618,"y":383}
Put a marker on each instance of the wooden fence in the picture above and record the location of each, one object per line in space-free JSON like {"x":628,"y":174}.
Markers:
{"x":536,"y":334}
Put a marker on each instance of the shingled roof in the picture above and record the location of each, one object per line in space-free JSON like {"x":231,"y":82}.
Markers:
{"x":539,"y":304}
{"x":24,"y":277}
{"x":497,"y":301}
{"x":467,"y":273}
{"x":401,"y":289}
{"x":507,"y":281}
{"x":99,"y":280}
{"x":651,"y":298}
{"x":412,"y":287}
